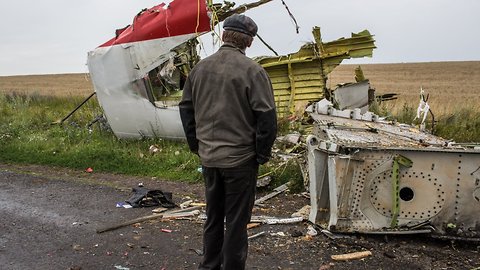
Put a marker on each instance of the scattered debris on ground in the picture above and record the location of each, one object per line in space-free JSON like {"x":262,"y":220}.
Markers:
{"x":44,"y":229}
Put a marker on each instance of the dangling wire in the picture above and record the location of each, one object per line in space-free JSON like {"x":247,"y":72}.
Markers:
{"x":265,"y":43}
{"x":215,"y":22}
{"x":166,"y":22}
{"x":291,"y":16}
{"x":198,"y":17}
{"x":215,"y":33}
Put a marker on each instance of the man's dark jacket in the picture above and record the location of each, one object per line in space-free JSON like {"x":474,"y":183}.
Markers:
{"x":228,"y":110}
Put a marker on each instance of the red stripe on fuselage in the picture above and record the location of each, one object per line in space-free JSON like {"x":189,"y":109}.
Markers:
{"x":179,"y":18}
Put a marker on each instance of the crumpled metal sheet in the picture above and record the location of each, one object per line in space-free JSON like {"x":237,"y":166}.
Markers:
{"x":354,"y":95}
{"x":356,"y":133}
{"x":300,"y":77}
{"x":118,"y":67}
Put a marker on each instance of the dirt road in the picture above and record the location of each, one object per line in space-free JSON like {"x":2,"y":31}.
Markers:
{"x":50,"y":216}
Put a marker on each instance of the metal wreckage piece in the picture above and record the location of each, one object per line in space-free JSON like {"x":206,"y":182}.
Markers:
{"x":301,"y":77}
{"x":138,"y":75}
{"x":371,"y":176}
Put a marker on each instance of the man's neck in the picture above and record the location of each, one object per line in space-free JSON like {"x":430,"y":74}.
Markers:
{"x":228,"y":44}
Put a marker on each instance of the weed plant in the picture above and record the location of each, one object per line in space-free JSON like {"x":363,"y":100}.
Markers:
{"x":462,"y":125}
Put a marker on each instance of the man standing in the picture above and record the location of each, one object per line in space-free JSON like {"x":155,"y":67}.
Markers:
{"x":228,"y":114}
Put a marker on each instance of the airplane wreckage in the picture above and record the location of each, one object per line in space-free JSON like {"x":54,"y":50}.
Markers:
{"x":365,"y":174}
{"x":139,"y":74}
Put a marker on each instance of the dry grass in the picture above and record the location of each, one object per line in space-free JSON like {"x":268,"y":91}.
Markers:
{"x":63,"y":85}
{"x":451,"y":85}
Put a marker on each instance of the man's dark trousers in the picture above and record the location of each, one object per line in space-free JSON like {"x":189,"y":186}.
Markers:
{"x":230,"y":195}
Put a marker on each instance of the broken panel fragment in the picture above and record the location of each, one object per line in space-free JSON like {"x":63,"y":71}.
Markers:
{"x":375,"y":177}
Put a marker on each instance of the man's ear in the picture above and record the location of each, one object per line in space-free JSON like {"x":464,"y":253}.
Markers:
{"x":250,"y":42}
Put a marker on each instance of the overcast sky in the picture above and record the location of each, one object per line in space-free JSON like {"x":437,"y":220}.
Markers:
{"x":54,"y":36}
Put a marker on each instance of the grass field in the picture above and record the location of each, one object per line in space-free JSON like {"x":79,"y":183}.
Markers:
{"x":62,"y":85}
{"x":29,"y":104}
{"x":451,"y":85}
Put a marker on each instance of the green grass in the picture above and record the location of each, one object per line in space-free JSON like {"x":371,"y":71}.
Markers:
{"x":28,"y":136}
{"x":463,"y":126}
